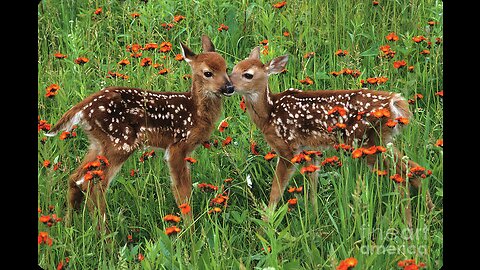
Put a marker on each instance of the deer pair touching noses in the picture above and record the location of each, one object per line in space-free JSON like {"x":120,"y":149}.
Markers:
{"x":119,"y":120}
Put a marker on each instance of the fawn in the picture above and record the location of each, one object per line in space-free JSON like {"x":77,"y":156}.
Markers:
{"x":293,"y":120}
{"x":119,"y":120}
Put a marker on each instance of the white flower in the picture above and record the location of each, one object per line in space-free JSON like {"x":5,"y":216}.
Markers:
{"x":249,"y":181}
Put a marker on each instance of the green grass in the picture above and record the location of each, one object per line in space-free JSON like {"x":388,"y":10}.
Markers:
{"x":358,"y":212}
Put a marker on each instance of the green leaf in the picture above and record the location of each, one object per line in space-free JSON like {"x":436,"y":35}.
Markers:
{"x":373,"y":51}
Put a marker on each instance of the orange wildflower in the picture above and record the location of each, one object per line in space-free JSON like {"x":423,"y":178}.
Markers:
{"x":60,"y":55}
{"x":370,"y":151}
{"x":381,"y":113}
{"x":92,"y":174}
{"x":215,"y":210}
{"x":337,"y":109}
{"x":222,"y":27}
{"x":172,"y":230}
{"x":424,"y":52}
{"x":165,"y":46}
{"x":124,"y":62}
{"x":172,"y":218}
{"x":264,"y":42}
{"x":219,"y":199}
{"x":418,"y":39}
{"x":179,"y":57}
{"x":112,"y":75}
{"x":399,"y":64}
{"x":223,"y":125}
{"x":227,"y":141}
{"x":439,"y":143}
{"x":341,"y":125}
{"x":347,"y":264}
{"x":292,"y":202}
{"x":243,"y":106}
{"x":150,"y":46}
{"x":167,"y":26}
{"x":98,"y":11}
{"x":402,"y":120}
{"x":300,"y":158}
{"x":135,"y":47}
{"x":265,"y":50}
{"x":254,"y":148}
{"x":309,"y":55}
{"x":387,"y":52}
{"x":357,"y":153}
{"x":92,"y":164}
{"x":147,"y":61}
{"x":286,"y":34}
{"x":341,"y":52}
{"x":81,"y":60}
{"x":307,"y":80}
{"x":391,"y":123}
{"x":135,"y":15}
{"x":397,"y":178}
{"x":164,"y":71}
{"x":184,"y":208}
{"x":269,"y":156}
{"x":279,"y":4}
{"x":334,"y":160}
{"x":43,"y":125}
{"x":178,"y":18}
{"x":295,"y":189}
{"x":190,"y":159}
{"x":309,"y":169}
{"x":206,"y":187}
{"x":147,"y":155}
{"x":43,"y":238}
{"x":67,"y":135}
{"x":381,"y":173}
{"x":343,"y":146}
{"x":392,"y":37}
{"x":52,"y":90}
{"x":46,"y":163}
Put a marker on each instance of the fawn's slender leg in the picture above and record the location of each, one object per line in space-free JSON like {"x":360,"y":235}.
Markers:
{"x":180,"y":174}
{"x":415,"y":181}
{"x":97,"y":190}
{"x":313,"y":180}
{"x":75,"y":193}
{"x":281,"y":177}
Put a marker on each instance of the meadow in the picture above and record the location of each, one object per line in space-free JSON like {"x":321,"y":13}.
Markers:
{"x":394,"y":45}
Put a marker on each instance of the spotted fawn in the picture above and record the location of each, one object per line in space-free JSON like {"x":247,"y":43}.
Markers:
{"x":294,"y":120}
{"x":119,"y":120}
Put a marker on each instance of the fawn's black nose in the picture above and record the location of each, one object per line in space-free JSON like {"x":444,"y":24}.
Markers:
{"x":228,"y":90}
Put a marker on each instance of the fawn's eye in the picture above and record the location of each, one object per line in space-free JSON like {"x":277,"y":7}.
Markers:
{"x":208,"y":74}
{"x":248,"y":76}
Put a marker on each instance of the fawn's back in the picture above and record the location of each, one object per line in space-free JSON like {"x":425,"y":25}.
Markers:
{"x":316,"y":118}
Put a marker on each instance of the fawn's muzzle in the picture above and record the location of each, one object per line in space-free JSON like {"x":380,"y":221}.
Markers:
{"x":228,"y":89}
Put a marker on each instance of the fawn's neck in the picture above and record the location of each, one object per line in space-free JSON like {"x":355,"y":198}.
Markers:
{"x":259,"y":105}
{"x":208,"y":107}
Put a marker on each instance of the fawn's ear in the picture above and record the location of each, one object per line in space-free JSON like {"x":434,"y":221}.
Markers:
{"x":255,"y":53}
{"x":188,"y":54}
{"x":276,"y":65}
{"x":207,"y":44}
